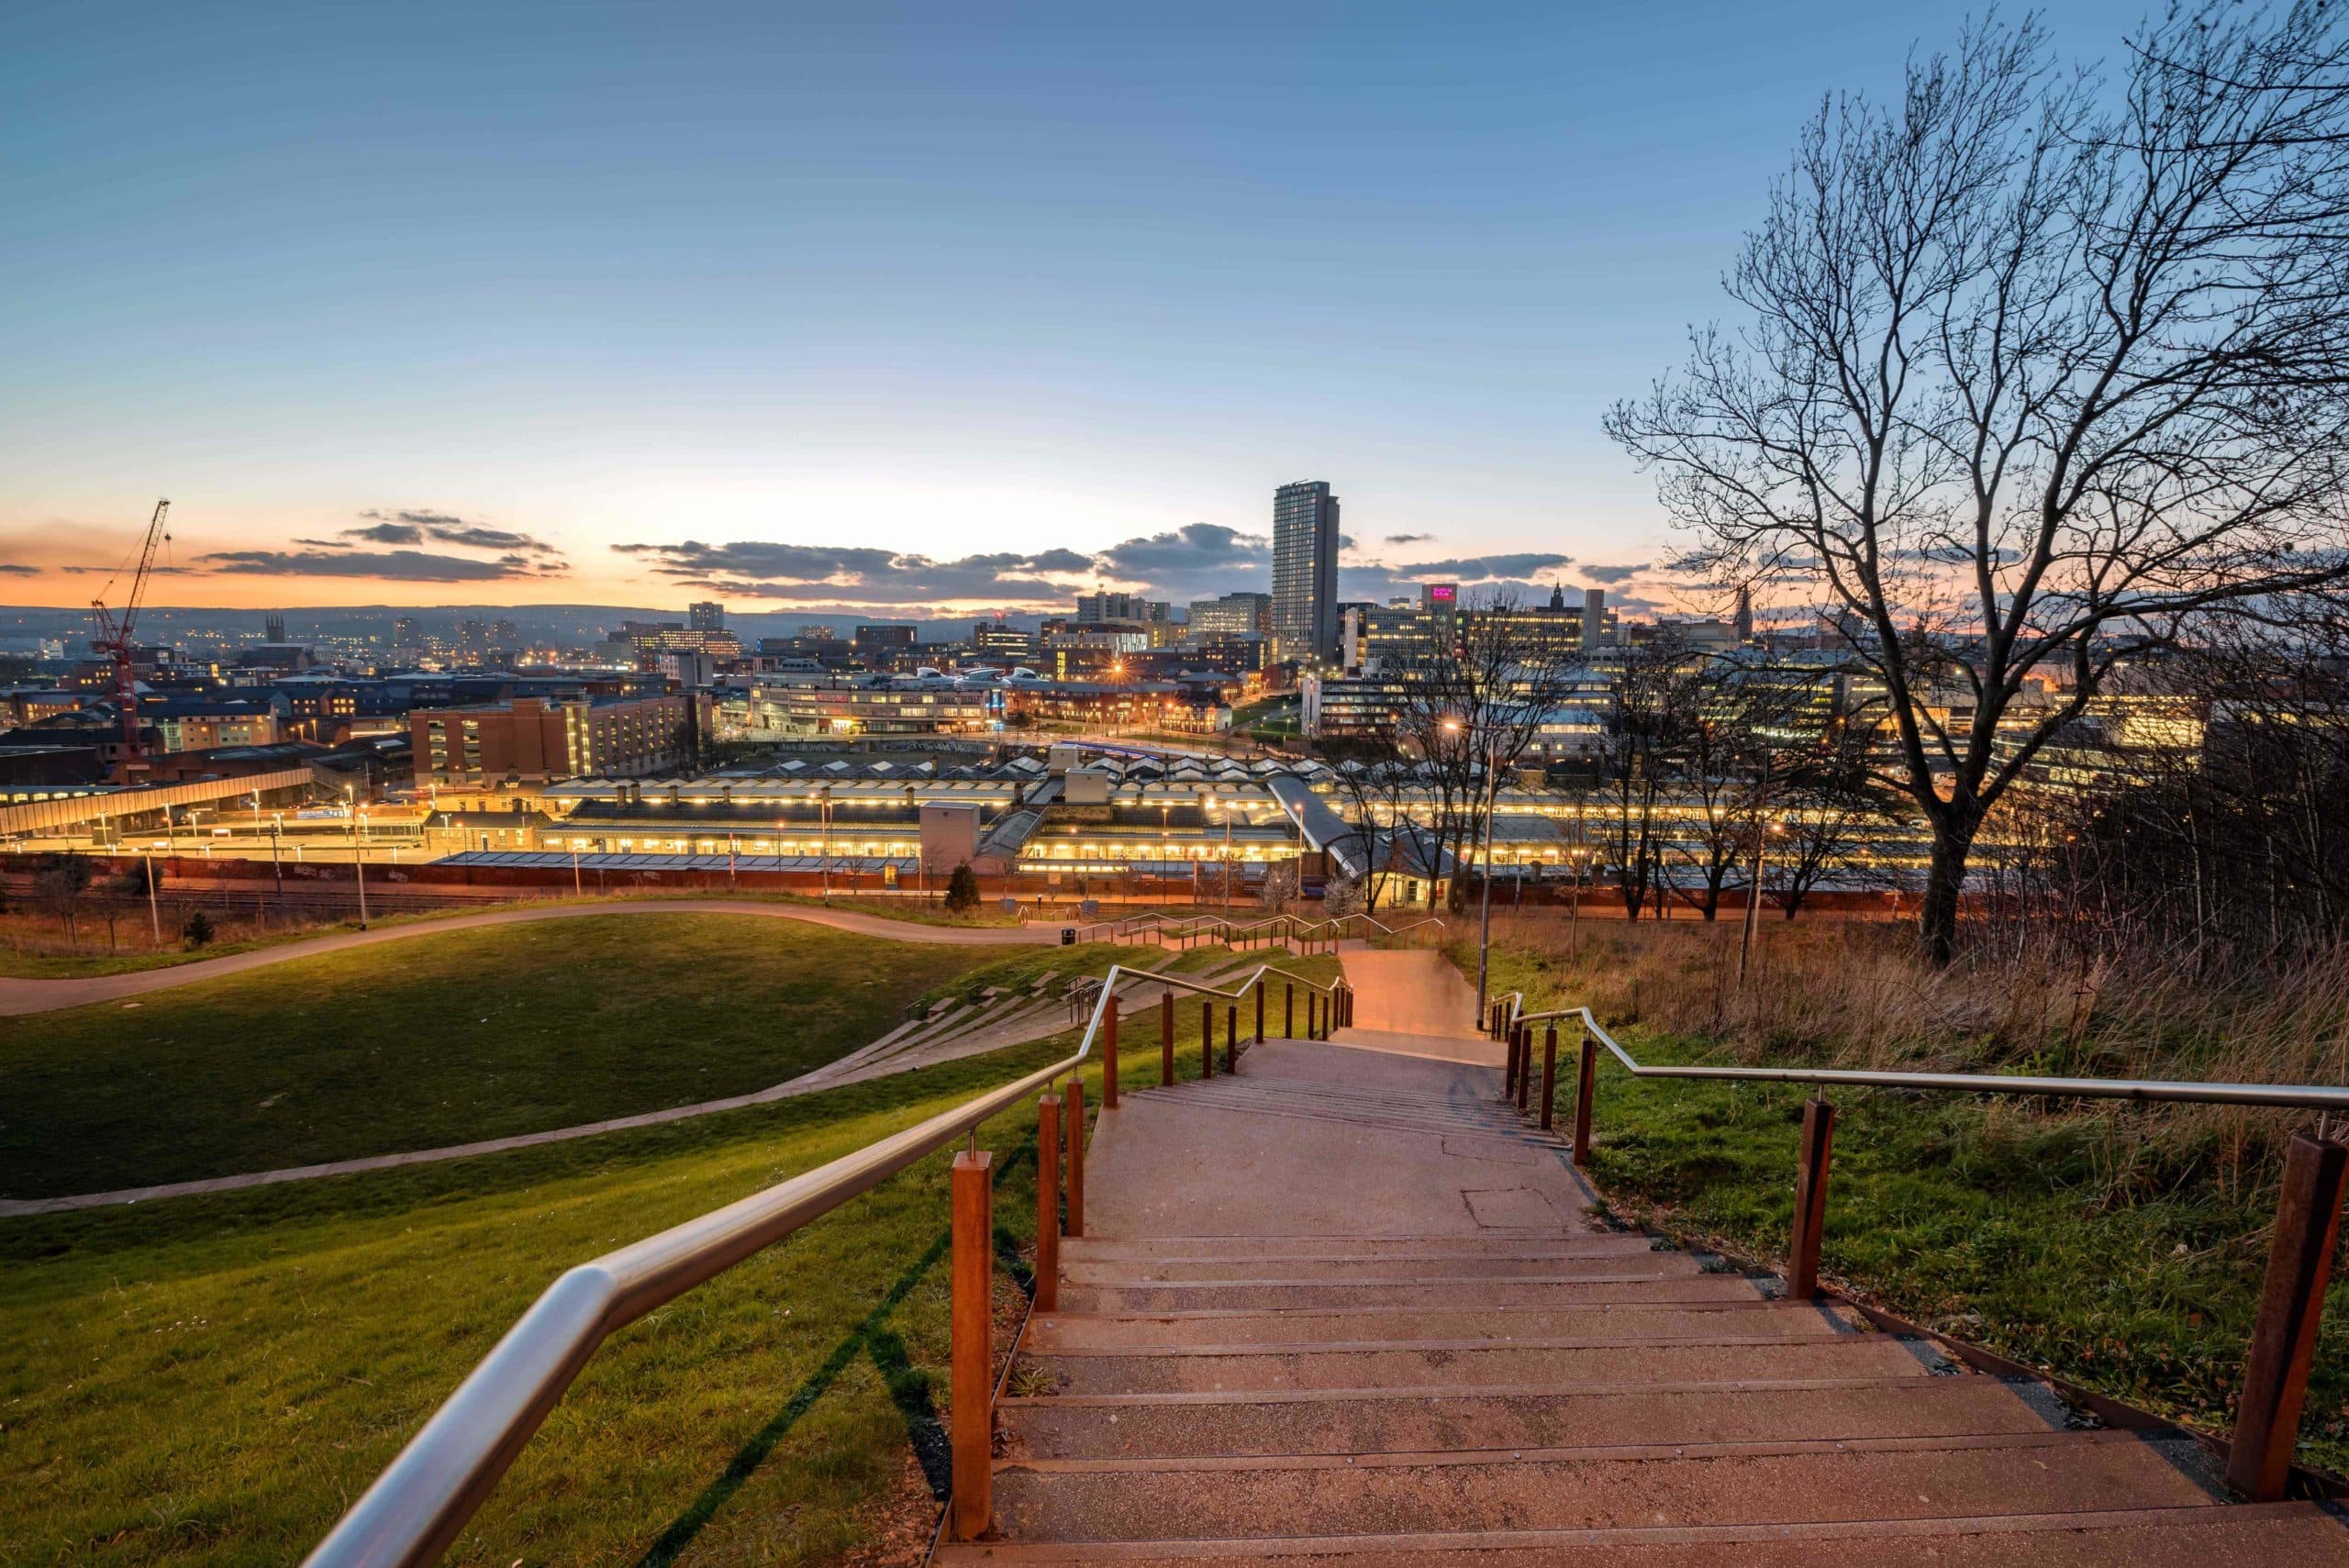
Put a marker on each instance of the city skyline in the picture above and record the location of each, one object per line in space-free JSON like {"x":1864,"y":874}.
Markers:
{"x":933,"y":317}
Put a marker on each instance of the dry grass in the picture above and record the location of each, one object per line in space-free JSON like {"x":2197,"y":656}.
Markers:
{"x":1854,"y":994}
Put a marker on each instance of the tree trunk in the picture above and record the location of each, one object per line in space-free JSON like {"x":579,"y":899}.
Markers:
{"x":1945,"y":877}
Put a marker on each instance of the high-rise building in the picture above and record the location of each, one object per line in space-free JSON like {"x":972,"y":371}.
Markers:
{"x":1305,"y":572}
{"x":706,"y":616}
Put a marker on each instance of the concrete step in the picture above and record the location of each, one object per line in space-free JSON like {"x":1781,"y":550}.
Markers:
{"x":1553,"y":1262}
{"x":1378,"y":1420}
{"x":1170,"y":1248}
{"x":1261,"y":1090}
{"x":1727,"y":1358}
{"x":1140,"y":1330}
{"x":2303,"y":1534}
{"x":1592,"y":1488}
{"x":1612,"y":1287}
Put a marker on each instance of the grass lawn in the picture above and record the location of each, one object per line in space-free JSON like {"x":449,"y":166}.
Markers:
{"x":211,"y":1380}
{"x":449,"y":1037}
{"x":1985,"y":1219}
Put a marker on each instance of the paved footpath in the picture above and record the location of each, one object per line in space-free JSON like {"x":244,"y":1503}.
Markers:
{"x":21,"y":996}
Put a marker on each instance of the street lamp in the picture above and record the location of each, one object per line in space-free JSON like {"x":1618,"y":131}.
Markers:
{"x":823,"y":798}
{"x":1485,"y":883}
{"x":359,"y":870}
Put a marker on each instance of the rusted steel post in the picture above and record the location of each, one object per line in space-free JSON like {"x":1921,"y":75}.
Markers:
{"x":1549,"y":1075}
{"x":1074,"y":1093}
{"x":1509,"y":1063}
{"x":1109,"y":1058}
{"x":1585,"y":1087}
{"x":1231,"y":1038}
{"x":1288,"y":1010}
{"x":1048,"y":1203}
{"x":1207,"y":1040}
{"x":1260,"y":1012}
{"x":1811,"y":1199}
{"x":2283,"y":1338}
{"x":971,"y":1378}
{"x":1167,"y":1039}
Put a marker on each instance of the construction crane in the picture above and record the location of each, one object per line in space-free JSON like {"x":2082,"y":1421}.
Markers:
{"x":112,"y":641}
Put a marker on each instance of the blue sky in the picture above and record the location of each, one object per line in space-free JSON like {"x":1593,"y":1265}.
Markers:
{"x":867,"y":306}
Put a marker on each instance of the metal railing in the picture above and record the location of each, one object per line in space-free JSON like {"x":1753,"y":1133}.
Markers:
{"x":416,"y":1506}
{"x":2300,"y":1245}
{"x":1184,"y":928}
{"x":2283,"y":1096}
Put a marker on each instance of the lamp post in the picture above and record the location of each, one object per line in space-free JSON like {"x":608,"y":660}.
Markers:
{"x":276,"y":860}
{"x":1485,"y":883}
{"x":154,"y":915}
{"x":359,"y":870}
{"x":1573,"y":916}
{"x":823,"y":798}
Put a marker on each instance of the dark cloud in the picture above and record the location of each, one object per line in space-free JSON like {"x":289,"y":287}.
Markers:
{"x":1196,"y":547}
{"x":385,"y":533}
{"x":1409,"y":539}
{"x":1485,"y":568}
{"x":473,"y":536}
{"x":1616,"y":573}
{"x":12,"y":569}
{"x":440,"y":527}
{"x":854,"y":573}
{"x":392,"y":565}
{"x":421,"y":519}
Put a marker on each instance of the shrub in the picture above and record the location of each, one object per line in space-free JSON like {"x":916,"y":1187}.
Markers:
{"x":197,"y":932}
{"x":963,"y":890}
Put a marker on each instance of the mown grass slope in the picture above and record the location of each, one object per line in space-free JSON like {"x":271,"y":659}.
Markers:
{"x":452,"y":1037}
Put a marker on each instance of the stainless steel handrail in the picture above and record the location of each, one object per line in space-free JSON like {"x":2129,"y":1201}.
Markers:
{"x":414,"y":1510}
{"x":1313,"y":930}
{"x":2285,"y":1096}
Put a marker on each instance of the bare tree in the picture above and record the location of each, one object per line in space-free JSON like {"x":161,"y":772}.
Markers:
{"x":1475,"y":703}
{"x":61,"y":884}
{"x":2030,"y":378}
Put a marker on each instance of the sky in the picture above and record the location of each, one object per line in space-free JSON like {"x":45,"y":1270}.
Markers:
{"x":936,"y":309}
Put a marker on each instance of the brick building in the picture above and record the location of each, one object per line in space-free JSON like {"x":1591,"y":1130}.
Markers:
{"x":537,"y":739}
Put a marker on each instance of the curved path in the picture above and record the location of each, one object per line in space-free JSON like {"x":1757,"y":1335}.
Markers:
{"x":21,"y":996}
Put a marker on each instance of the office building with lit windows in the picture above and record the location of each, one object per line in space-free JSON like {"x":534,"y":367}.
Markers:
{"x":1305,"y":572}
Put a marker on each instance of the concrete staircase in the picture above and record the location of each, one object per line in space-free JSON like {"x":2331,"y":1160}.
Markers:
{"x":1345,"y":1307}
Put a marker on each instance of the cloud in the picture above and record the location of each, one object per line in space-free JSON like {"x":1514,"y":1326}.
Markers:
{"x":1409,"y":539}
{"x":392,"y":565}
{"x":862,"y":575}
{"x":383,"y":533}
{"x":440,"y":527}
{"x":1195,"y":547}
{"x":1616,"y":573}
{"x":1487,"y":568}
{"x":12,"y":569}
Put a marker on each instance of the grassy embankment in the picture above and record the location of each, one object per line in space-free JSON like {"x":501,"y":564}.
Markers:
{"x":211,"y":1380}
{"x":452,"y":1037}
{"x":2120,"y":1247}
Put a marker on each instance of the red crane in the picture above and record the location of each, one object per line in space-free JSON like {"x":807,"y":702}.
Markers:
{"x":114,"y":643}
